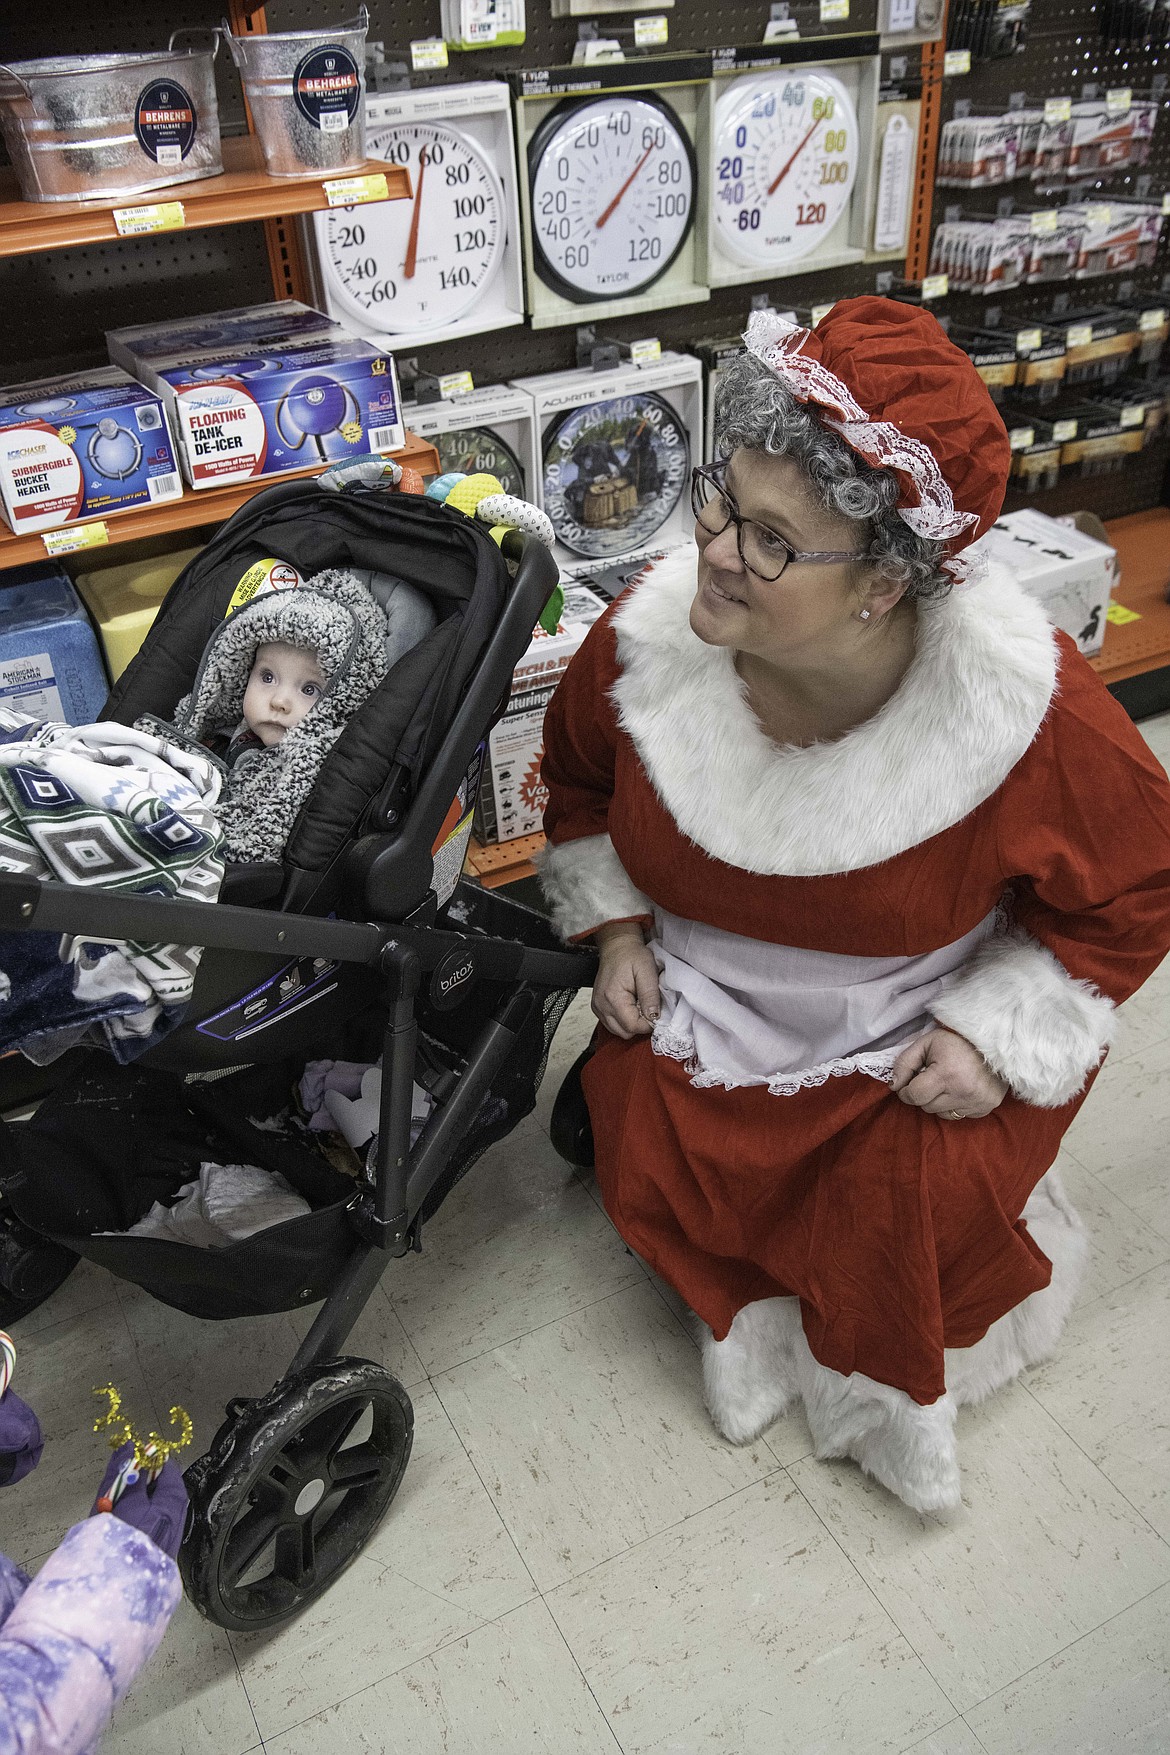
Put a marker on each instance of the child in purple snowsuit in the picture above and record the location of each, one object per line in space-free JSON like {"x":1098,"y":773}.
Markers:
{"x":73,"y":1639}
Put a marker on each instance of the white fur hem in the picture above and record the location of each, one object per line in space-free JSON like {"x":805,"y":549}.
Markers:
{"x":585,"y":884}
{"x":1034,"y":1025}
{"x":751,"y":1378}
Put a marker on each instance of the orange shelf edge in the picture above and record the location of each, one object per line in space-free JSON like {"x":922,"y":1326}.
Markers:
{"x":505,"y":862}
{"x":209,"y":506}
{"x":244,"y":191}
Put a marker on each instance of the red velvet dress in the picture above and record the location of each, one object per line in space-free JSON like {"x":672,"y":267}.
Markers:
{"x":1001,"y":776}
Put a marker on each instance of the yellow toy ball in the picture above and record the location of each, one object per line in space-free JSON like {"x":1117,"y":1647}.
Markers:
{"x":466,"y":494}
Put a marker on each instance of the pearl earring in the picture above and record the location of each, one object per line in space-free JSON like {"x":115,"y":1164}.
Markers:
{"x":863,"y":616}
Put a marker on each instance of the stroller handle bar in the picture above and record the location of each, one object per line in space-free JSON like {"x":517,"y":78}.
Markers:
{"x":29,"y":905}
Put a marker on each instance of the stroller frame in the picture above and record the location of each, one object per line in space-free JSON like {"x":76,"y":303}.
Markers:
{"x":298,"y":1464}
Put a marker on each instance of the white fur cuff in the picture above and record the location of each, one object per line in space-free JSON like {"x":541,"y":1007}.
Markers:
{"x":1034,"y":1025}
{"x":585,"y":884}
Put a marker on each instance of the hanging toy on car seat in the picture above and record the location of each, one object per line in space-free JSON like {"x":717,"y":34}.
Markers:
{"x":371,"y":471}
{"x":315,"y":407}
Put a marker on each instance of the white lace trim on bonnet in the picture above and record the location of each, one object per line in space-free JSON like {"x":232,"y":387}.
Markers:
{"x":778,"y":343}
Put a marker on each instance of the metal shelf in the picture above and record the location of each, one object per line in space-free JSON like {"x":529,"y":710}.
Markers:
{"x":243,"y":192}
{"x":209,"y":506}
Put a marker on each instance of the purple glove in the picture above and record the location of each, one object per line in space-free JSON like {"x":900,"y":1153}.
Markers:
{"x":159,"y":1511}
{"x":21,"y":1443}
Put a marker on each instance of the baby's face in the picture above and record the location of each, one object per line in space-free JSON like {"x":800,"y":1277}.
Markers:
{"x":284,"y":684}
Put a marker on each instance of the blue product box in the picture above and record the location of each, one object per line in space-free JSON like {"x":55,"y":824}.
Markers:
{"x":229,"y":331}
{"x":50,"y":666}
{"x":82,"y":447}
{"x":286,"y":403}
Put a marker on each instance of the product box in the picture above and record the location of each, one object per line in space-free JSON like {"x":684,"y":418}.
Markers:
{"x":292,"y":403}
{"x":513,"y":796}
{"x":81,"y":447}
{"x":123,"y":601}
{"x":1070,"y":572}
{"x":492,"y":431}
{"x":616,"y":450}
{"x":245,"y":326}
{"x":50,"y":667}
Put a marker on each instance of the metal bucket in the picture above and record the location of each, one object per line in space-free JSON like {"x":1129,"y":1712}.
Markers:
{"x":307,"y":93}
{"x":92,"y":127}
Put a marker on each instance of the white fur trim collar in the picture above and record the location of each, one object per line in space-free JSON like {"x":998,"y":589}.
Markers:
{"x":967,"y":709}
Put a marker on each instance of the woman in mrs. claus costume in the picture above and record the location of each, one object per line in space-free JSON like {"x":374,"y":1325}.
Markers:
{"x":870,"y":856}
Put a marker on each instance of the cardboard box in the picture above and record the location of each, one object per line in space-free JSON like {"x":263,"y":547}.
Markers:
{"x":513,"y":796}
{"x":1071,"y":572}
{"x":230,"y":331}
{"x":270,"y":403}
{"x":81,"y":447}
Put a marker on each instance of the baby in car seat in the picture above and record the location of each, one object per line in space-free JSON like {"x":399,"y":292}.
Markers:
{"x":278,"y":680}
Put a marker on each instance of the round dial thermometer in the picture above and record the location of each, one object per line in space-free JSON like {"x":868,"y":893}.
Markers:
{"x":614,"y":471}
{"x":481,"y":451}
{"x":613,"y":195}
{"x":419,"y":264}
{"x":786,"y":155}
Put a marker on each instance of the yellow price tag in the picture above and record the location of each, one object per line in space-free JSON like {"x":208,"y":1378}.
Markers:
{"x":1150,"y":320}
{"x":934,"y":287}
{"x":1134,"y":415}
{"x":428,"y":54}
{"x":834,"y":10}
{"x":956,"y":61}
{"x":1118,"y":101}
{"x":1063,"y":431}
{"x":354,"y":191}
{"x":157,"y":216}
{"x":1057,"y":109}
{"x":1043,"y":223}
{"x":75,"y":536}
{"x":456,"y":384}
{"x":1119,"y":615}
{"x":1027,"y":340}
{"x":1080,"y":335}
{"x":641,"y":352}
{"x":651,"y":30}
{"x":1022,"y":438}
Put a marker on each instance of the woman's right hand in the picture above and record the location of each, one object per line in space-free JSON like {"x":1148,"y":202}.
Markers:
{"x":626,"y":997}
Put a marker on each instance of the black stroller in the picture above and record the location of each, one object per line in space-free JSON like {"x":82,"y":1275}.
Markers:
{"x":464,"y":993}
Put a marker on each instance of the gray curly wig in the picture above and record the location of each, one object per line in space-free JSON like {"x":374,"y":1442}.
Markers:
{"x":756,"y":409}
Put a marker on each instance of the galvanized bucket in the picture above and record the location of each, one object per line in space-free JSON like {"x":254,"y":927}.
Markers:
{"x":307,"y":93}
{"x":92,"y":127}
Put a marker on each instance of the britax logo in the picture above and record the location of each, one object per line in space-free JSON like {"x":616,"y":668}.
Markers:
{"x":450,"y":982}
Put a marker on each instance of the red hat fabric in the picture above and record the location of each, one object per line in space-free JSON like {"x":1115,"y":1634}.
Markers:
{"x":884,"y":376}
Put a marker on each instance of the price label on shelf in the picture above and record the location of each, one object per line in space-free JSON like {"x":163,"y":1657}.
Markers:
{"x":1165,"y":205}
{"x":1119,"y":615}
{"x":642,"y":352}
{"x":819,"y":311}
{"x":956,"y":61}
{"x":157,"y":216}
{"x":901,"y":15}
{"x":1064,"y":430}
{"x":75,"y":536}
{"x":1080,"y":335}
{"x":832,"y":11}
{"x":1022,"y":438}
{"x":651,"y":30}
{"x":1028,"y":340}
{"x":1151,"y":320}
{"x":1134,"y":415}
{"x":934,"y":286}
{"x":1043,"y":223}
{"x":1118,"y":101}
{"x":1098,"y":214}
{"x":456,"y":384}
{"x":428,"y":54}
{"x":354,"y":191}
{"x":1057,"y":109}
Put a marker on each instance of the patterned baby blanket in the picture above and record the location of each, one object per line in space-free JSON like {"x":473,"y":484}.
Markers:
{"x":107,"y":807}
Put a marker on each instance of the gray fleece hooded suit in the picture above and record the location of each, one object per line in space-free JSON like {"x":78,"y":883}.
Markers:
{"x":334,"y":617}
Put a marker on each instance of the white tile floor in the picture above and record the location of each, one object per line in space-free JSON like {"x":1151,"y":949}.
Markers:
{"x":576,"y":1563}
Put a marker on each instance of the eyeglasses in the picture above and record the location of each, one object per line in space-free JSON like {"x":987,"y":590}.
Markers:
{"x":762,"y":552}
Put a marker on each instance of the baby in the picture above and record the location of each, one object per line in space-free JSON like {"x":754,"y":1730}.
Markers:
{"x":285,"y":682}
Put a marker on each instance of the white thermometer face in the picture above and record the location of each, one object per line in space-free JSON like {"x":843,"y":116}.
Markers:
{"x":786,"y":156}
{"x":419,"y":264}
{"x":613,"y":196}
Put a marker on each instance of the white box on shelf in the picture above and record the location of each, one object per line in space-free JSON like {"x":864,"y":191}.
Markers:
{"x":516,"y":795}
{"x":1070,"y":572}
{"x":616,"y":450}
{"x":447,"y":262}
{"x":492,"y":429}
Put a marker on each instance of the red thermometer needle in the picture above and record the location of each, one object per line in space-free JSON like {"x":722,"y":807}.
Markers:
{"x":613,"y":204}
{"x":412,"y":240}
{"x":780,"y":176}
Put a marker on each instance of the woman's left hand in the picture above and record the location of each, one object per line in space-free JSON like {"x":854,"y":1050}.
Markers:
{"x":945,"y":1075}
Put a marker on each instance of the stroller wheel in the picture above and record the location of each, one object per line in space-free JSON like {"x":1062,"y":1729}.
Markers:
{"x":292,"y":1488}
{"x":31,"y":1268}
{"x":569,"y":1126}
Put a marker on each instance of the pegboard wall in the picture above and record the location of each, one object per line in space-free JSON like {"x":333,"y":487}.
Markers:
{"x":58,"y":305}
